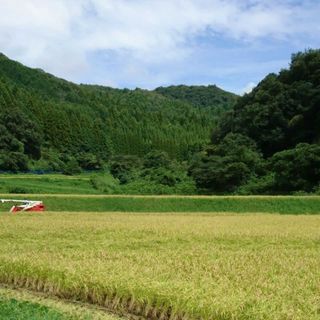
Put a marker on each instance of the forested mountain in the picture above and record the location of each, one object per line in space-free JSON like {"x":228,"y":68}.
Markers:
{"x":44,"y":117}
{"x":210,"y":97}
{"x":282,"y":111}
{"x":269,"y":142}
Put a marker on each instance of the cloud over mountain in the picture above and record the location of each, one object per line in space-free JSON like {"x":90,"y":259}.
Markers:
{"x":140,"y":41}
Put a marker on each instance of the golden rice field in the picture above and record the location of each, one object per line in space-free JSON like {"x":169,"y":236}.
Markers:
{"x":169,"y":266}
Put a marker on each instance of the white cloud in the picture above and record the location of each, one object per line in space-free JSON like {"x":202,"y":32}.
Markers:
{"x":248,"y":88}
{"x":59,"y":35}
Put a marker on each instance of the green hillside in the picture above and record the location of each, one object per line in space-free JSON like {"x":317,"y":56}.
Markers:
{"x":283,"y":110}
{"x":42,"y":116}
{"x":265,"y":142}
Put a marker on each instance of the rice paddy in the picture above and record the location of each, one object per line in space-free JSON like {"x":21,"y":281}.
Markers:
{"x":169,"y":266}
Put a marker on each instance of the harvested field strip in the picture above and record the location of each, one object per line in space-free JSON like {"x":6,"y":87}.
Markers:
{"x":169,"y":266}
{"x":282,"y":205}
{"x":23,"y":304}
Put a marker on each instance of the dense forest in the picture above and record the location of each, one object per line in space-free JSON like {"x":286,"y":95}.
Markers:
{"x":269,"y":142}
{"x":65,"y":120}
{"x":179,"y":139}
{"x":210,"y":97}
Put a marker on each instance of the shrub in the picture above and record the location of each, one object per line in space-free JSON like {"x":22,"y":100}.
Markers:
{"x":156,"y":159}
{"x":258,"y":185}
{"x":226,"y":166}
{"x":124,"y":167}
{"x":89,"y":161}
{"x":104,"y":183}
{"x":20,"y":190}
{"x":297,"y":169}
{"x":71,"y":167}
{"x":13,"y":161}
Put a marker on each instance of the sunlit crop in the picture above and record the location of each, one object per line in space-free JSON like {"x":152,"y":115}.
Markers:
{"x":177,"y":266}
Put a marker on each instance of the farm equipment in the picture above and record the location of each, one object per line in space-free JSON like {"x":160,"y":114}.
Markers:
{"x":25,"y":205}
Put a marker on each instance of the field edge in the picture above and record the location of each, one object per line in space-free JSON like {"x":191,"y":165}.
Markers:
{"x":123,"y":306}
{"x":71,"y":309}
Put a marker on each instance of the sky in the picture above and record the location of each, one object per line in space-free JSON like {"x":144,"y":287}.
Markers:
{"x":149,"y":43}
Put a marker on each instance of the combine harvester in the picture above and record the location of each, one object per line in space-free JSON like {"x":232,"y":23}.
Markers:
{"x":25,"y":205}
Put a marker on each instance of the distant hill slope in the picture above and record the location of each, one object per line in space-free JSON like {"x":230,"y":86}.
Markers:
{"x":43,"y":114}
{"x":210,"y":97}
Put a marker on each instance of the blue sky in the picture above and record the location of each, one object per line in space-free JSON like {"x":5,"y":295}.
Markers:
{"x":150,"y":43}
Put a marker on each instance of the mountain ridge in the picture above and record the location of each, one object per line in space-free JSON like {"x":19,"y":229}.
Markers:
{"x":74,"y":119}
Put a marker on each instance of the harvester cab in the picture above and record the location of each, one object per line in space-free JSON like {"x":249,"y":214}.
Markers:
{"x":25,"y":205}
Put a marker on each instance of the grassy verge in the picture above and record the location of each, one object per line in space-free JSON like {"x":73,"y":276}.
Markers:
{"x":48,"y":183}
{"x":268,"y":204}
{"x":86,"y":183}
{"x":16,"y":310}
{"x":24,"y":305}
{"x":169,"y":266}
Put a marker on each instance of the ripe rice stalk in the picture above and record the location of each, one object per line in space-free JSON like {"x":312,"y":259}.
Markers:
{"x":169,"y":266}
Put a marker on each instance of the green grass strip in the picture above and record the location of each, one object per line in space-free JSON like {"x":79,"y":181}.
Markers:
{"x":281,"y":205}
{"x":12,"y":309}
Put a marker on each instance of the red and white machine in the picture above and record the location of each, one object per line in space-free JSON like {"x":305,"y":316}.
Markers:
{"x":25,"y":205}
